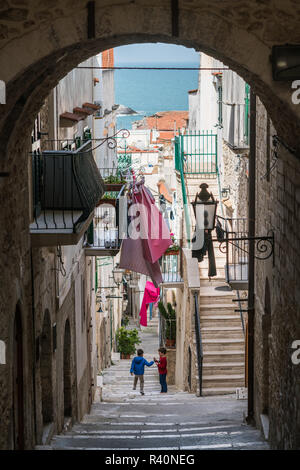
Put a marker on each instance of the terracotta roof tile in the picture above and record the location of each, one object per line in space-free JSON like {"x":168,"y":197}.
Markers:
{"x":108,"y":58}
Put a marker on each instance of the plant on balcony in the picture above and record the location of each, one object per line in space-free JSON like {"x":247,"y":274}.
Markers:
{"x":127,"y":341}
{"x":169,"y":314}
{"x":114,"y":182}
{"x":109,"y":197}
{"x":174,"y":248}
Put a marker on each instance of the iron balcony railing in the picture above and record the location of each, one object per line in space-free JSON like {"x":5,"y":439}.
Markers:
{"x":197,"y":152}
{"x":179,"y":168}
{"x":107,"y":229}
{"x":66,"y":187}
{"x":236,"y":246}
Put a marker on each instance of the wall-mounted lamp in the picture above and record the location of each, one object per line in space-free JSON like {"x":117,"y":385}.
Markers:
{"x":286,"y":62}
{"x":206,"y":200}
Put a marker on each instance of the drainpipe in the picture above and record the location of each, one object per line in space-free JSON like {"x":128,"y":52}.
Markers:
{"x":251,"y":265}
{"x":33,"y":346}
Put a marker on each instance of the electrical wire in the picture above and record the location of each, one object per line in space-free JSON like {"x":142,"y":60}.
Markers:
{"x":152,"y":68}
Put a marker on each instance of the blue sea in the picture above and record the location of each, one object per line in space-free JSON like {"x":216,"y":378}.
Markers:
{"x":150,"y":91}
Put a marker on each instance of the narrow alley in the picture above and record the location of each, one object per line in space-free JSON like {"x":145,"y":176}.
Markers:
{"x":125,"y":420}
{"x":150,"y":198}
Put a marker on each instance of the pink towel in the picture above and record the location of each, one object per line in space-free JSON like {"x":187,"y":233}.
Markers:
{"x":141,"y":254}
{"x":151,"y":294}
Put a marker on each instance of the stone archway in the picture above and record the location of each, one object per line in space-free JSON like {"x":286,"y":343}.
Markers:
{"x":67,"y":371}
{"x":46,"y":370}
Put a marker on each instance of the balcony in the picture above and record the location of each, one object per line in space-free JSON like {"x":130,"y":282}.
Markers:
{"x":196,"y":153}
{"x":170,"y":265}
{"x":108,"y":227}
{"x":237,"y":248}
{"x":67,"y":186}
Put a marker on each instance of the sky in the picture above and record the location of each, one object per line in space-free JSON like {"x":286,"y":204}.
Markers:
{"x":154,"y":53}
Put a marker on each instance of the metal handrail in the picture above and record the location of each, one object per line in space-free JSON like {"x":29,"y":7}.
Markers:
{"x":241,"y":310}
{"x":179,"y":167}
{"x":199,"y":346}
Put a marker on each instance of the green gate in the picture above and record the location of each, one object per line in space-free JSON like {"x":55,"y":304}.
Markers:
{"x":197,"y":152}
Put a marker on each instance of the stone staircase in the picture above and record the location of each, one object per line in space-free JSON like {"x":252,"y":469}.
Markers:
{"x":223,"y":341}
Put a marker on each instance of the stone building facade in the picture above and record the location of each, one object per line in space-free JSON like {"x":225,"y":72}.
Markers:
{"x":277,"y":302}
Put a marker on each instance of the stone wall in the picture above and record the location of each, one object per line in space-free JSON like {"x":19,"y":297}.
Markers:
{"x":277,"y":315}
{"x":235,"y":177}
{"x":171,"y":366}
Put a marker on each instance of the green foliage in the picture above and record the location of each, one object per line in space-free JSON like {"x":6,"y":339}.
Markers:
{"x":125,"y":320}
{"x":114,"y":179}
{"x":127,"y":340}
{"x":169,"y":314}
{"x":175,"y":247}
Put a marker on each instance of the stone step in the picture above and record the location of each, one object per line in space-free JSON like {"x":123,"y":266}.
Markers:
{"x":215,"y":391}
{"x":216,"y":368}
{"x":225,"y":313}
{"x":223,"y":344}
{"x":216,"y":320}
{"x":219,"y":308}
{"x":234,"y":332}
{"x":215,"y":297}
{"x":220,"y":357}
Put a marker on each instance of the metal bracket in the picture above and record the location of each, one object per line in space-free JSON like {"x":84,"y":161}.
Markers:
{"x":264,"y":245}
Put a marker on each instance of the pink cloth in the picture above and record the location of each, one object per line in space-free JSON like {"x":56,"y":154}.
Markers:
{"x":152,"y":222}
{"x":141,"y":254}
{"x":151,"y":294}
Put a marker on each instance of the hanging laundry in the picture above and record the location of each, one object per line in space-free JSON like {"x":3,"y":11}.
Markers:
{"x":141,"y":252}
{"x":208,"y":247}
{"x":155,"y":232}
{"x":151,"y":295}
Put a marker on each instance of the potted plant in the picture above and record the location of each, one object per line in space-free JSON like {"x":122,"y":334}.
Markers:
{"x":169,"y":314}
{"x":114,"y":183}
{"x":125,"y":320}
{"x":174,"y":248}
{"x":109,"y":197}
{"x":127,"y":341}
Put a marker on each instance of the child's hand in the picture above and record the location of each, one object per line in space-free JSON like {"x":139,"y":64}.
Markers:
{"x":131,"y":373}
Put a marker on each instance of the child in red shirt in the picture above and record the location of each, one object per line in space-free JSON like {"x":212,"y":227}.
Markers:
{"x":162,"y":369}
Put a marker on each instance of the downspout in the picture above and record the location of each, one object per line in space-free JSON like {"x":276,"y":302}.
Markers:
{"x":33,"y":346}
{"x":251,"y":265}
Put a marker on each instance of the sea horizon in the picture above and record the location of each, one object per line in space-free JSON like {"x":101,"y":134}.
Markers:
{"x":150,"y":91}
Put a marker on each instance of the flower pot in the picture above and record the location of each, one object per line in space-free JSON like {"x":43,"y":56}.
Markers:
{"x":106,"y":201}
{"x":125,"y":356}
{"x":172,"y":252}
{"x":170,"y":343}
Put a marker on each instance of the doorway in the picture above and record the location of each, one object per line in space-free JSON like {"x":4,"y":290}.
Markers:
{"x":67,"y":371}
{"x":46,"y":371}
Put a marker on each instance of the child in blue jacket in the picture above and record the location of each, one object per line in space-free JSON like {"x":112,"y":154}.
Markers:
{"x":137,"y":368}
